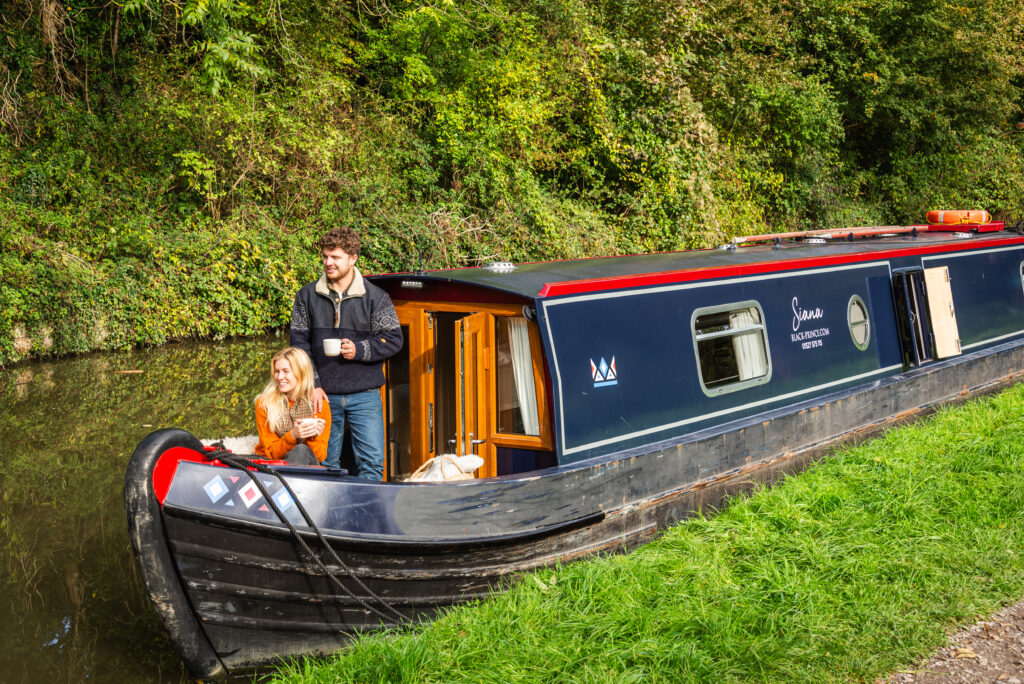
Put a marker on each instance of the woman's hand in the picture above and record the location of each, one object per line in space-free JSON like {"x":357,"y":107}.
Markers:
{"x":305,"y":428}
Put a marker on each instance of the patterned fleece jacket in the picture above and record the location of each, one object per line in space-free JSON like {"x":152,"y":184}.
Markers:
{"x":363,"y":314}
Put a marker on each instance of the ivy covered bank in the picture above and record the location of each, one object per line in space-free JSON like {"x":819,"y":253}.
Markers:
{"x":166,"y":166}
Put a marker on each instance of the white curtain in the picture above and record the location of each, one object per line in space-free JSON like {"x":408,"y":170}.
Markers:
{"x":750,"y":358}
{"x":522,"y":365}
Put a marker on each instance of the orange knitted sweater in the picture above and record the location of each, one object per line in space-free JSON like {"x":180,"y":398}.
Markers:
{"x":274,"y":446}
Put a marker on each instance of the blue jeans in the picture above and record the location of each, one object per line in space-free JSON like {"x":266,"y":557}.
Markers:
{"x":363,"y":413}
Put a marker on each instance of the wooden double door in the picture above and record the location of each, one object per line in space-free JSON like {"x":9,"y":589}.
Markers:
{"x":441,"y":389}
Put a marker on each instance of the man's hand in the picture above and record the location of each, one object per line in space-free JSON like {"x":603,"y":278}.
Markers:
{"x":348,"y":349}
{"x":319,"y":397}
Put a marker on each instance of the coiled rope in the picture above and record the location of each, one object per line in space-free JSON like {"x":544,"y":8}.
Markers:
{"x":248,"y":466}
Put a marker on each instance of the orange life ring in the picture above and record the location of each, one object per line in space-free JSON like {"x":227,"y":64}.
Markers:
{"x":958,"y":216}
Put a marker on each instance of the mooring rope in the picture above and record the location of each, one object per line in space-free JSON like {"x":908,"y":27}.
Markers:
{"x":248,"y":465}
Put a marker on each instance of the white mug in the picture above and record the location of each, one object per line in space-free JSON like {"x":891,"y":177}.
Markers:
{"x":319,"y":422}
{"x":332,"y":346}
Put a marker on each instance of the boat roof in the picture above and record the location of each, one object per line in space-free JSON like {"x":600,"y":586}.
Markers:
{"x":539,"y":280}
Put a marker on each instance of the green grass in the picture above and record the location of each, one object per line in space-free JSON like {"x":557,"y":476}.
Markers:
{"x":845,"y":572}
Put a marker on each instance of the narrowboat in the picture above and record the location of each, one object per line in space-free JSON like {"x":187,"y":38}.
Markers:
{"x":608,"y":399}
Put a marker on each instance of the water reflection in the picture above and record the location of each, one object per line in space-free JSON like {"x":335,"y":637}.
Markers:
{"x":73,"y":608}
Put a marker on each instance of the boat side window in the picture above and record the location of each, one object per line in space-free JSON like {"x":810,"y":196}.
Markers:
{"x":860,"y":326}
{"x":731,"y":347}
{"x":516,"y":388}
{"x":1022,"y":274}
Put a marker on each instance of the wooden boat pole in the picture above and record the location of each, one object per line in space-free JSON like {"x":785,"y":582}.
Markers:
{"x":863,"y":231}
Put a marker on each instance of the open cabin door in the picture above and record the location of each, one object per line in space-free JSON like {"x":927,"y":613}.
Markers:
{"x":410,"y":404}
{"x":925,"y":315}
{"x":473,"y":400}
{"x":943,"y":315}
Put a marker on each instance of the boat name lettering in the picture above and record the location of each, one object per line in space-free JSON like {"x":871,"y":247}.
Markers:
{"x":801,"y":314}
{"x":809,"y":339}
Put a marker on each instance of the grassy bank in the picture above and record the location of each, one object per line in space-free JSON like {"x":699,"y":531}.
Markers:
{"x":845,"y":572}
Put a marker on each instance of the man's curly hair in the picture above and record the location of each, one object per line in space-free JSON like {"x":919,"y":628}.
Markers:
{"x":341,"y":237}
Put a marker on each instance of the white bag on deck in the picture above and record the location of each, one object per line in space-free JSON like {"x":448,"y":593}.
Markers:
{"x":447,"y":467}
{"x":237,"y":445}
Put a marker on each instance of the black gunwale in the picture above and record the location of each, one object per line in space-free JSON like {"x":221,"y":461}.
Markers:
{"x":358,"y":540}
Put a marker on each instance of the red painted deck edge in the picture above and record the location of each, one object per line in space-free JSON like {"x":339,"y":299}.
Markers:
{"x":690,"y":275}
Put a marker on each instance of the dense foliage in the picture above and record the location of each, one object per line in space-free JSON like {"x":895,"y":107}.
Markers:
{"x":165,"y":166}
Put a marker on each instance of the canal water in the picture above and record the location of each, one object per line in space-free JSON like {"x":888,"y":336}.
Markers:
{"x":72,"y":607}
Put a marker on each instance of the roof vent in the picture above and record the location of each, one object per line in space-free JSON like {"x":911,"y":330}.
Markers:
{"x":499,"y":267}
{"x":961,"y":235}
{"x":815,"y":241}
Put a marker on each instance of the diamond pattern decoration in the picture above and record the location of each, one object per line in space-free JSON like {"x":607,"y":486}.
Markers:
{"x":249,"y":494}
{"x":283,"y":500}
{"x":215,"y":489}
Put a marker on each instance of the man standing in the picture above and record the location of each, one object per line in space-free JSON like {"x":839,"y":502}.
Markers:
{"x":341,"y":305}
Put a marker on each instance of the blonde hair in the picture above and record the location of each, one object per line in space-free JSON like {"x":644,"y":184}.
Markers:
{"x":276,"y":403}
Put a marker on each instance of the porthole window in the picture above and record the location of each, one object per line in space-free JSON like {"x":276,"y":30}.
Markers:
{"x":731,"y":347}
{"x":860,"y":326}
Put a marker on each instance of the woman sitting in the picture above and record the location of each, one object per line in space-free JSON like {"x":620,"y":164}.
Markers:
{"x":288,"y":428}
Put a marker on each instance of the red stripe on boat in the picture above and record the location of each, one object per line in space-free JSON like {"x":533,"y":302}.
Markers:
{"x":571,"y":287}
